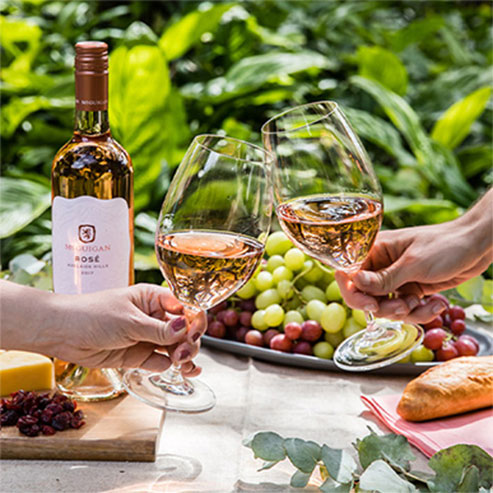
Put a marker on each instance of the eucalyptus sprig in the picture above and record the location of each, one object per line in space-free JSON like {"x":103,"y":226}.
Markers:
{"x":385,"y":465}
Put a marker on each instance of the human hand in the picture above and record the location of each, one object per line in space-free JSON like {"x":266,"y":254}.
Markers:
{"x":140,"y":326}
{"x":412,"y":263}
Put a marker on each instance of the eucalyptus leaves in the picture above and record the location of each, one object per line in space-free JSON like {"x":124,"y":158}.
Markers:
{"x":385,"y":465}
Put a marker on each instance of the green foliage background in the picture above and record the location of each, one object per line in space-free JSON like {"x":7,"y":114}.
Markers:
{"x":413,"y":77}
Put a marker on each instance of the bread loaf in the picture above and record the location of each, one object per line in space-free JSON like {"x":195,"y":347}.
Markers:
{"x":456,"y":386}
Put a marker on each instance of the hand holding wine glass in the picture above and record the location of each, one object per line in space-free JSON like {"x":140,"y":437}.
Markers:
{"x":210,"y":238}
{"x":329,"y":203}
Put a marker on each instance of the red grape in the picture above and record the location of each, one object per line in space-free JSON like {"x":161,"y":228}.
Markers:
{"x":434,"y":338}
{"x":218,"y":308}
{"x":458,"y":326}
{"x":447,"y":351}
{"x":210,"y":318}
{"x":240,"y":333}
{"x":470,"y":338}
{"x":311,"y":330}
{"x":281,"y":342}
{"x":436,"y":323}
{"x":293,"y":330}
{"x":269,"y":334}
{"x":439,"y":297}
{"x":230,"y":317}
{"x":254,"y":338}
{"x":216,"y":329}
{"x":220,"y":316}
{"x":457,"y":312}
{"x":248,"y":305}
{"x":446,"y":319}
{"x":246,"y":319}
{"x":303,"y":347}
{"x":465,"y":347}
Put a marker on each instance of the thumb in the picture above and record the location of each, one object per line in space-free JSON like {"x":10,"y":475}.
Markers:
{"x":150,"y":329}
{"x":383,"y":281}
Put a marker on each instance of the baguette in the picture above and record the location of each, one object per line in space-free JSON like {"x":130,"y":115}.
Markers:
{"x":456,"y":386}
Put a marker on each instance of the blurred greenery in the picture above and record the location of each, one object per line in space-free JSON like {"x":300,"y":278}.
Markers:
{"x":413,"y":77}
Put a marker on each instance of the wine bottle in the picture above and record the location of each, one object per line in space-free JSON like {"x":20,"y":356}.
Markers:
{"x":92,"y":211}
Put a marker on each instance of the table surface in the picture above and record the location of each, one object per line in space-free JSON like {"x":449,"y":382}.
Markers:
{"x":203,"y":453}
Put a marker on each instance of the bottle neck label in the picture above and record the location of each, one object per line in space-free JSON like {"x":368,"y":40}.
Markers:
{"x":91,"y":91}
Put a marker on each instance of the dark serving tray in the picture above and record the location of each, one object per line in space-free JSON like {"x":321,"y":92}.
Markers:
{"x":303,"y":361}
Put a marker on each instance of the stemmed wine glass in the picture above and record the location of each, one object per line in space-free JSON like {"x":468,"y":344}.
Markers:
{"x":210,"y":238}
{"x":329,"y":203}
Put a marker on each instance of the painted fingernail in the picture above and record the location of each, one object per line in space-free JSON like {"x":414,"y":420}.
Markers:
{"x":370,"y":308}
{"x":438,"y":307}
{"x":178,"y":324}
{"x":184,"y":354}
{"x":195,"y":336}
{"x":364,"y":278}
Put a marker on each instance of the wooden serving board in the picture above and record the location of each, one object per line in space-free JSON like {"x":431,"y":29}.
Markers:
{"x":122,"y":429}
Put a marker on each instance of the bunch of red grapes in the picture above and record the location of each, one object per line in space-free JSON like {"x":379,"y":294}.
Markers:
{"x":445,"y":334}
{"x":224,"y":321}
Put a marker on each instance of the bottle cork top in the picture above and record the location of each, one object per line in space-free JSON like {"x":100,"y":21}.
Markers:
{"x":91,"y":56}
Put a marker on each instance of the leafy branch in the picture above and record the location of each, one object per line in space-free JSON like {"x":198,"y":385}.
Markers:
{"x":385,"y":465}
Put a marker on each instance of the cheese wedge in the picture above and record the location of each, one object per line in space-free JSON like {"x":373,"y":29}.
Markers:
{"x":27,"y":371}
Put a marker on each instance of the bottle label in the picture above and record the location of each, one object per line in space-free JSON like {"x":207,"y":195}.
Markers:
{"x":91,"y":244}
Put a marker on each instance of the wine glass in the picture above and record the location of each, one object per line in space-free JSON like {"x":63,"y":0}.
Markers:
{"x":329,"y":203}
{"x":210,"y":238}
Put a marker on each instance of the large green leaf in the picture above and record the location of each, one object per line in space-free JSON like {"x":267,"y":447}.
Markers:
{"x":454,"y":125}
{"x":139,"y":90}
{"x":416,"y":32}
{"x":21,"y":202}
{"x":380,"y":133}
{"x":253,"y":72}
{"x":180,"y":36}
{"x":379,"y":476}
{"x":383,"y":66}
{"x":435,"y":161}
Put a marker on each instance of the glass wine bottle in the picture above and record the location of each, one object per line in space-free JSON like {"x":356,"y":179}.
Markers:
{"x":92,"y":212}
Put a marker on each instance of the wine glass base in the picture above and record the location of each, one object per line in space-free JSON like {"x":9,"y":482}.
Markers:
{"x":348,"y":356}
{"x":145,"y":386}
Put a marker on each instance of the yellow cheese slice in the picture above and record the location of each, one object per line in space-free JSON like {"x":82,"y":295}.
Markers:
{"x":27,"y":371}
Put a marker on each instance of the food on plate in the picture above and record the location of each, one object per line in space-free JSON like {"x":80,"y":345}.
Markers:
{"x":456,"y":386}
{"x":296,"y":296}
{"x":24,"y":370}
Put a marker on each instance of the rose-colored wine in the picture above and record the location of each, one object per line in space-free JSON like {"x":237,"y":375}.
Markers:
{"x":205,"y":267}
{"x":337,"y":230}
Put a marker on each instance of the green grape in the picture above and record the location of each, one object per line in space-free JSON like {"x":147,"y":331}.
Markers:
{"x":285,"y":289}
{"x":293,"y":316}
{"x":313,"y":293}
{"x":334,"y":339}
{"x":314,"y":309}
{"x":314,"y":275}
{"x":266,"y":298}
{"x":333,"y":317}
{"x":323,"y":350}
{"x":293,"y":303}
{"x":333,"y":292}
{"x":258,"y":321}
{"x":359,"y":317}
{"x":165,"y":284}
{"x":277,"y":244}
{"x":350,"y":328}
{"x":328,"y":277}
{"x":294,"y":259}
{"x":264,"y":281}
{"x":274,"y":315}
{"x":303,"y":313}
{"x":406,"y":359}
{"x":487,"y":295}
{"x":282,"y":274}
{"x":247,"y":291}
{"x":274,"y":262}
{"x":422,"y":353}
{"x":301,"y":283}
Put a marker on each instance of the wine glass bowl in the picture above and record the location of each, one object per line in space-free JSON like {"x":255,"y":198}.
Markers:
{"x":210,"y":238}
{"x":329,"y":202}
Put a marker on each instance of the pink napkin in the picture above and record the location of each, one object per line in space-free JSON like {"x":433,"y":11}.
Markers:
{"x":474,"y":428}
